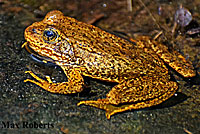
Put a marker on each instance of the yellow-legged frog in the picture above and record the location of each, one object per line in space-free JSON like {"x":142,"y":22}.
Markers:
{"x":80,"y":49}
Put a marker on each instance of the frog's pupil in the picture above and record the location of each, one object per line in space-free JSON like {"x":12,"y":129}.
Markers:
{"x":49,"y":33}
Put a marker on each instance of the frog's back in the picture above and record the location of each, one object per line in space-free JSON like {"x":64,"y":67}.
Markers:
{"x":104,"y":54}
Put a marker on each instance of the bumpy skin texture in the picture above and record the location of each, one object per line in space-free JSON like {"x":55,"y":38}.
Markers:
{"x":82,"y":49}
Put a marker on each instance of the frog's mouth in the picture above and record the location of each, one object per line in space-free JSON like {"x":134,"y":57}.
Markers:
{"x":36,"y":56}
{"x":44,"y":59}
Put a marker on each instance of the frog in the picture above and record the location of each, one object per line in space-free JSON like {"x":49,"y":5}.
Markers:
{"x":140,"y":67}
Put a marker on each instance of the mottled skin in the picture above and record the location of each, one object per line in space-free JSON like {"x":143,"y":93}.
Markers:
{"x":85,"y":50}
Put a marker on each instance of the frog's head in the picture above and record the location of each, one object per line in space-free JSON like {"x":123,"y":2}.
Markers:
{"x":45,"y":38}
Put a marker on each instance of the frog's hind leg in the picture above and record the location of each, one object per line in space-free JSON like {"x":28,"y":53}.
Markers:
{"x":134,"y":94}
{"x":174,"y":59}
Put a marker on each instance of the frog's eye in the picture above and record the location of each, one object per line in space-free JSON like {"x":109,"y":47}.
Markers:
{"x":50,"y":35}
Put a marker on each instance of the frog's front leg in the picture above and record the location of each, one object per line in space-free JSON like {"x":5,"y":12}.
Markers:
{"x":74,"y":84}
{"x":135,"y":94}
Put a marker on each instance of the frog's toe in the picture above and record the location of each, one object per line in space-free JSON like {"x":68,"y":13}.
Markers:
{"x":99,"y":103}
{"x":29,"y":80}
{"x":34,"y":76}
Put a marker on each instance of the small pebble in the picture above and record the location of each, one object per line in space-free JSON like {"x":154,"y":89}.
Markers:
{"x":183,"y":17}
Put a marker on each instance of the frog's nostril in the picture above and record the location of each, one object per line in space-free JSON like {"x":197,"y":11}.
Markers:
{"x":33,"y":30}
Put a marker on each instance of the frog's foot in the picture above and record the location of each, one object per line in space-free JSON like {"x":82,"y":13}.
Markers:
{"x":103,"y":104}
{"x":62,"y":88}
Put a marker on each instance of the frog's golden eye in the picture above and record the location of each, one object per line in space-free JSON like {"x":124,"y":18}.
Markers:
{"x":50,"y":35}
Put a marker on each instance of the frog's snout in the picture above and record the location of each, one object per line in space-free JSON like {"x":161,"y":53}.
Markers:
{"x":31,"y":31}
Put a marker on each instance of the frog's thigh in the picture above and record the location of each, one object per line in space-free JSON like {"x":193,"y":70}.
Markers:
{"x":74,"y":84}
{"x":133,"y":95}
